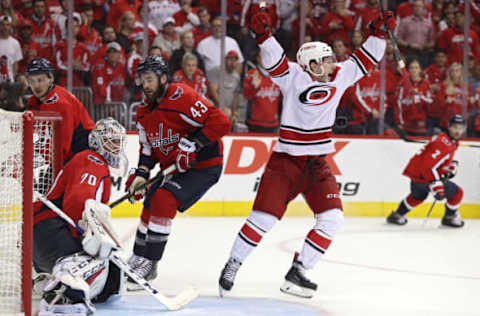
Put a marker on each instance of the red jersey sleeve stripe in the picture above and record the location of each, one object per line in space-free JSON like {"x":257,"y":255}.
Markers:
{"x":252,"y":235}
{"x":280,"y":69}
{"x":364,"y":59}
{"x":292,"y":135}
{"x":319,"y":240}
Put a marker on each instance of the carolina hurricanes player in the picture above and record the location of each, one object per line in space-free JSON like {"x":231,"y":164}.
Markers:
{"x":311,"y":91}
{"x":429,"y":171}
{"x":176,"y":126}
{"x":76,"y":123}
{"x":79,"y":268}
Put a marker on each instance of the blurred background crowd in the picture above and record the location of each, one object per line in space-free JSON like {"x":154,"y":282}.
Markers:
{"x":95,"y":46}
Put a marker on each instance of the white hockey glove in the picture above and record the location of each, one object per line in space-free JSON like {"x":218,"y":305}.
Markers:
{"x":451,"y":169}
{"x":99,"y":238}
{"x":137,"y":178}
{"x":186,"y":154}
{"x":438,"y":190}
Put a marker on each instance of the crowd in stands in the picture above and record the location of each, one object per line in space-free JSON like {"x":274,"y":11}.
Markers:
{"x":108,"y":43}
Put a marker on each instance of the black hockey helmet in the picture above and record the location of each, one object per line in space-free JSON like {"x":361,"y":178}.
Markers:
{"x":40,"y":66}
{"x":155,"y":64}
{"x":456,"y":119}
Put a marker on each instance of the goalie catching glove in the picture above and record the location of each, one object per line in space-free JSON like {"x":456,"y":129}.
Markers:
{"x":99,"y":239}
{"x":382,"y":24}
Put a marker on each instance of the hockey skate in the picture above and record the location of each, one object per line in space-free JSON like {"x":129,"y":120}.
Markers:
{"x":454,"y":221}
{"x":227,"y":277}
{"x":38,"y":284}
{"x":397,"y":219}
{"x":295,"y":281}
{"x":144,"y":268}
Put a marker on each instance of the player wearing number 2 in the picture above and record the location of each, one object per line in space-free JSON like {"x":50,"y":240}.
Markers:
{"x":311,"y":91}
{"x":429,"y":171}
{"x":176,"y":126}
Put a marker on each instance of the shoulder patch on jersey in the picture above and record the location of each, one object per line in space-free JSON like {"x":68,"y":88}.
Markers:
{"x":317,"y":94}
{"x":178,"y":93}
{"x":96,"y":160}
{"x":446,"y":141}
{"x":52,"y":99}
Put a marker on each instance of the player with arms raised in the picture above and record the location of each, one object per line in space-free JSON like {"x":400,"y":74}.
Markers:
{"x":79,"y":268}
{"x":429,"y":171}
{"x":311,"y":93}
{"x":176,"y":126}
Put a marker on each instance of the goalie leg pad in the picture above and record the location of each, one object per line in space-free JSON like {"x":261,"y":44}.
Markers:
{"x":318,"y":239}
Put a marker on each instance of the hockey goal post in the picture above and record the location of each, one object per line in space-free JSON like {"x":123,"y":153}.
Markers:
{"x":30,"y":157}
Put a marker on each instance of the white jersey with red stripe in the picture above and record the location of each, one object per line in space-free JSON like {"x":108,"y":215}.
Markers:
{"x":309,"y":106}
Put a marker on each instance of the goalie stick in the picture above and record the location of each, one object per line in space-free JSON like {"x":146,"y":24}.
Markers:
{"x":171,"y":303}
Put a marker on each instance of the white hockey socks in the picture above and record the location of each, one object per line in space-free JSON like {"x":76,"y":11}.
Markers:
{"x":319,"y":238}
{"x":257,"y":224}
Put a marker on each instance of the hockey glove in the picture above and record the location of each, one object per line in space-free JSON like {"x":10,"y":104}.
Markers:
{"x":381,"y":25}
{"x":451,"y":169}
{"x":438,"y":190}
{"x":137,"y":178}
{"x":186,"y":154}
{"x":260,"y":25}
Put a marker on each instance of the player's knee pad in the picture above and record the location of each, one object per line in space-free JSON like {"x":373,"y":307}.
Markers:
{"x":329,"y":222}
{"x":83,"y":276}
{"x":262,"y":220}
{"x":454,"y":201}
{"x":164,"y":204}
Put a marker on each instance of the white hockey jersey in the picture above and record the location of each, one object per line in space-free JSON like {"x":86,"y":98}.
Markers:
{"x":309,"y":107}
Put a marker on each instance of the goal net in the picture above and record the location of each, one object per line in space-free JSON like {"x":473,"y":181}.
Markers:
{"x":27,"y":159}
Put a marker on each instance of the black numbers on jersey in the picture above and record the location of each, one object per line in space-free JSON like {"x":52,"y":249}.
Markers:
{"x":198,"y":109}
{"x":89,"y":179}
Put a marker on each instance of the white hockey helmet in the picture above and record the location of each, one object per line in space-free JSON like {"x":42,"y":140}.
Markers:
{"x":108,"y":139}
{"x":313,"y":51}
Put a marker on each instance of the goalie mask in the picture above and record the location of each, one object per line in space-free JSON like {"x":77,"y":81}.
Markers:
{"x":316,"y":52}
{"x":108,"y":139}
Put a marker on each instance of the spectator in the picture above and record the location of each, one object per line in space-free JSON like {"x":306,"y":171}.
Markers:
{"x":452,"y":39}
{"x":191,"y":75}
{"x":10,"y":50}
{"x":118,"y":8}
{"x":88,"y":34}
{"x":81,"y":63}
{"x":413,"y":98}
{"x":407,"y":9}
{"x":159,"y":10}
{"x":357,"y":40}
{"x":125,"y":29}
{"x":250,"y":7}
{"x":435,"y":73}
{"x":357,"y":6}
{"x":108,"y":36}
{"x":340,"y":50}
{"x":449,"y":101}
{"x":186,"y":18}
{"x":365,"y":16}
{"x":59,"y":19}
{"x":263,"y":99}
{"x":393,"y":76}
{"x":231,"y":87}
{"x":132,"y":63}
{"x":312,"y":28}
{"x":155,"y":50}
{"x":188,"y":42}
{"x":288,"y":14}
{"x":11,"y":96}
{"x":43,"y":30}
{"x":140,"y":28}
{"x":25,"y":7}
{"x":209,"y":48}
{"x":6,"y":9}
{"x":167,"y":40}
{"x":337,"y":23}
{"x":415,"y":34}
{"x":99,"y":19}
{"x":447,"y":17}
{"x":203,"y":29}
{"x":29,"y":47}
{"x":319,"y":8}
{"x":108,"y":77}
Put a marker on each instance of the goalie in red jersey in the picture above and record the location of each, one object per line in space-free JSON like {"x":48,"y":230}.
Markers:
{"x":176,"y":126}
{"x":430,"y":170}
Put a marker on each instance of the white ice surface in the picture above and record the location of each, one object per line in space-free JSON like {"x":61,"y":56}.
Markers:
{"x":370,"y":269}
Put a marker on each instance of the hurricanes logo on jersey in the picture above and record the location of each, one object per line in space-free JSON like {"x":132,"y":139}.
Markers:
{"x":317,"y":95}
{"x":164,"y":143}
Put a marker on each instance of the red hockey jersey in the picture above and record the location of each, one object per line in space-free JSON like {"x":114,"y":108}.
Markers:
{"x":198,"y":81}
{"x":76,"y":123}
{"x":452,"y":41}
{"x":450,"y":102}
{"x":434,"y":74}
{"x":80,"y":53}
{"x":108,"y":82}
{"x":413,"y":98}
{"x":182,"y":112}
{"x":84,"y":177}
{"x":346,"y":22}
{"x":428,"y":164}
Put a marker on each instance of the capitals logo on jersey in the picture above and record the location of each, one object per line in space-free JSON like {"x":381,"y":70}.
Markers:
{"x":158,"y":141}
{"x":317,"y":94}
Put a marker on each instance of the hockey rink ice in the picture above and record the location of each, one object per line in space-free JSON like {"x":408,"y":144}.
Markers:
{"x":370,"y":269}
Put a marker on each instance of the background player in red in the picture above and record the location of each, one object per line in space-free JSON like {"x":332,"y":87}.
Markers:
{"x":76,"y":123}
{"x":429,"y":171}
{"x":176,"y":126}
{"x":73,"y":260}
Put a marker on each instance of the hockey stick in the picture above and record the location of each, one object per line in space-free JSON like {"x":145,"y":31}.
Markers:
{"x":171,"y":303}
{"x":428,"y":214}
{"x":152,"y":181}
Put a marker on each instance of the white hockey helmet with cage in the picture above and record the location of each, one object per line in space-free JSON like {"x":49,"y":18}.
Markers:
{"x":313,"y":51}
{"x":108,"y":139}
